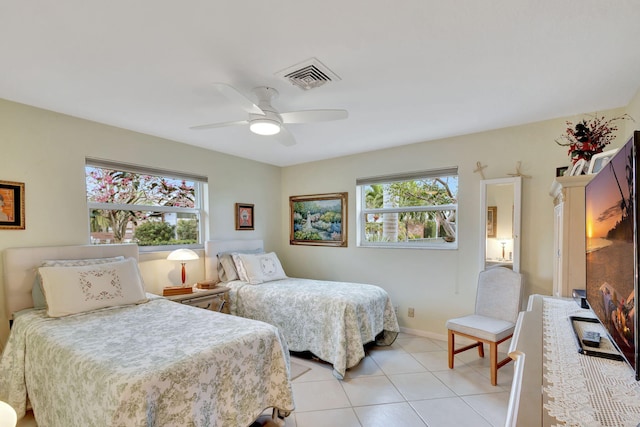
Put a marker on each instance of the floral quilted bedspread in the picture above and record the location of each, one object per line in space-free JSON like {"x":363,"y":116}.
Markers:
{"x":156,"y":364}
{"x":333,"y":320}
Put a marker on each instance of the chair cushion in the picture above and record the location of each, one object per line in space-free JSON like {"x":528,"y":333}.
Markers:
{"x":483,"y":327}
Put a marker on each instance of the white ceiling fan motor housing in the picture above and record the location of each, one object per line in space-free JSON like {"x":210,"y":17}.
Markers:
{"x":271,"y":122}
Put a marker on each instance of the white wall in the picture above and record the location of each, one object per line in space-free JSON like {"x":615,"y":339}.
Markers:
{"x":47,"y":151}
{"x":439,"y":284}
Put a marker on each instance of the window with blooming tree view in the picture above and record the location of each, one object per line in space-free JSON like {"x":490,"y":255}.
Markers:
{"x":150,"y":207}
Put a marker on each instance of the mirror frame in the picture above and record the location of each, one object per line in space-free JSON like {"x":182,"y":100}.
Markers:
{"x":517,"y":212}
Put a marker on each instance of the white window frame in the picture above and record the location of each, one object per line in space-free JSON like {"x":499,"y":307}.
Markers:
{"x":362,"y":211}
{"x":200,"y":187}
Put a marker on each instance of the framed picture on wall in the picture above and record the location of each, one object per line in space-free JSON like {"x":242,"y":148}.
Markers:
{"x":244,"y":216}
{"x":492,"y":221}
{"x":318,"y":220}
{"x":11,"y":205}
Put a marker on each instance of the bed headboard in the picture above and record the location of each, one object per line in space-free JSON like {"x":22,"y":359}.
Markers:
{"x":213,"y":247}
{"x":20,"y":266}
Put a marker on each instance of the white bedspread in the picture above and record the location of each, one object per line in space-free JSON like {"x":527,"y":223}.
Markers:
{"x":333,"y":320}
{"x":159,"y":363}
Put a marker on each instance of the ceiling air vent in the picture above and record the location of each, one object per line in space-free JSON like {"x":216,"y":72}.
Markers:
{"x":309,"y":74}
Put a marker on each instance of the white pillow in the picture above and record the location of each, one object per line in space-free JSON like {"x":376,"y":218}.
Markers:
{"x":261,"y":268}
{"x":242,"y":273}
{"x":36,"y":291}
{"x":72,"y":290}
{"x":227,"y":270}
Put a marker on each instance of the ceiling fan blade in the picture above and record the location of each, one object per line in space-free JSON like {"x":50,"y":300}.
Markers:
{"x":310,"y":116}
{"x":219,"y":125}
{"x":285,"y":137}
{"x":236,"y":97}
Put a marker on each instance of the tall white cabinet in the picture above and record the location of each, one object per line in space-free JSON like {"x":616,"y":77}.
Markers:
{"x":569,"y":260}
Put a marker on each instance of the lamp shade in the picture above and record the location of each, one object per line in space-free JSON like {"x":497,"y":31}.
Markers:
{"x":182,"y":255}
{"x":8,"y":417}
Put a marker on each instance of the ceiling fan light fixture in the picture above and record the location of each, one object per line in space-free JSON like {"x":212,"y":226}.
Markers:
{"x":264,"y":126}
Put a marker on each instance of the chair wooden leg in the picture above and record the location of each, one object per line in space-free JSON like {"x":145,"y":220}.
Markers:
{"x":451,"y":345}
{"x":480,"y":349}
{"x":494,"y":362}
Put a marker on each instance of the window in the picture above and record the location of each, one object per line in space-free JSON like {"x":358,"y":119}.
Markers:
{"x":155,"y":209}
{"x":409,"y":210}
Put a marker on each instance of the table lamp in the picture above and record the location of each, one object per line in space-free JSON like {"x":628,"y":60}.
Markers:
{"x":183,"y":255}
{"x":503,"y":241}
{"x":8,"y":416}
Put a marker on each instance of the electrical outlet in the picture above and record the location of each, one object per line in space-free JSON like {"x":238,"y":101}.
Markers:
{"x":411,"y":312}
{"x":395,"y":309}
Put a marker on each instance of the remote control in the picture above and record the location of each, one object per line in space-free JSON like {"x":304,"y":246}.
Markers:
{"x":591,"y":339}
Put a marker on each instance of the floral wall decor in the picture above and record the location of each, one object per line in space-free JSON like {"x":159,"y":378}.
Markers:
{"x":589,"y":136}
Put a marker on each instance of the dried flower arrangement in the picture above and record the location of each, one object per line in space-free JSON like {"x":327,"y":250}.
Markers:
{"x":589,"y":136}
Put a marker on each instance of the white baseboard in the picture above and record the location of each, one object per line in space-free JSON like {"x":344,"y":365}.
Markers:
{"x":425,"y":334}
{"x":435,"y":336}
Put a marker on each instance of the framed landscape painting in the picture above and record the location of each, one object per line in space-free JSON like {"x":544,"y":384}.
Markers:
{"x":318,"y":220}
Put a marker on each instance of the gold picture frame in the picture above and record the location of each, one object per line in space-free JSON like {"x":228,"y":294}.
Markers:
{"x":492,"y":221}
{"x":318,"y":220}
{"x":12,"y":205}
{"x":244,"y":216}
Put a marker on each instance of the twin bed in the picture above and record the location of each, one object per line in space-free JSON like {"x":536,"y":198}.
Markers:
{"x":150,"y":363}
{"x":155,"y":362}
{"x":332,"y":320}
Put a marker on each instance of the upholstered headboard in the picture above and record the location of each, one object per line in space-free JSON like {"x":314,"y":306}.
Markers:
{"x":20,"y":266}
{"x":213,"y":247}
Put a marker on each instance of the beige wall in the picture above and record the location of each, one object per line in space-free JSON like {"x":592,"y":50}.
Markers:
{"x":47,"y":151}
{"x":633,"y":109}
{"x":439,"y":284}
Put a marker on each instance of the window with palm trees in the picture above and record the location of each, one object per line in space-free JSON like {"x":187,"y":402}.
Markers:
{"x":409,"y":210}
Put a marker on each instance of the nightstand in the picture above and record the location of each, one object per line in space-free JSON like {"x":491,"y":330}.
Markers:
{"x":210,"y":299}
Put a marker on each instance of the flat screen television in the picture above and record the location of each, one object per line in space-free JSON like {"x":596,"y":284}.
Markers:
{"x":612,"y":248}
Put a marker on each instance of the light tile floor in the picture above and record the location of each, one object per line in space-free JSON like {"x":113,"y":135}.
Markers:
{"x":407,"y":384}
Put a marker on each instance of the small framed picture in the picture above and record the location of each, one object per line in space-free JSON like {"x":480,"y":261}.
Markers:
{"x":11,"y":205}
{"x":244,"y":216}
{"x":562,"y":171}
{"x":492,"y":221}
{"x":598,"y":161}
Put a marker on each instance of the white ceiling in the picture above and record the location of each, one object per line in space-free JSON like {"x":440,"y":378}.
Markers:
{"x":411,"y":70}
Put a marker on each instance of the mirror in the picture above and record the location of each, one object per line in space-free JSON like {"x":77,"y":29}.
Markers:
{"x":500,"y":227}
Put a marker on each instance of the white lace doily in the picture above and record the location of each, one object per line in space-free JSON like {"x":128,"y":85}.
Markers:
{"x":584,"y":390}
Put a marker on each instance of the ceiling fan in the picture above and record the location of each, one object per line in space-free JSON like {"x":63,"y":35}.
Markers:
{"x":264,"y":119}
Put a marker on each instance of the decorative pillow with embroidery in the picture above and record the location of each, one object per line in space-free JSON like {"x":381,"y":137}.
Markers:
{"x":36,"y":291}
{"x":72,"y":290}
{"x":261,"y":268}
